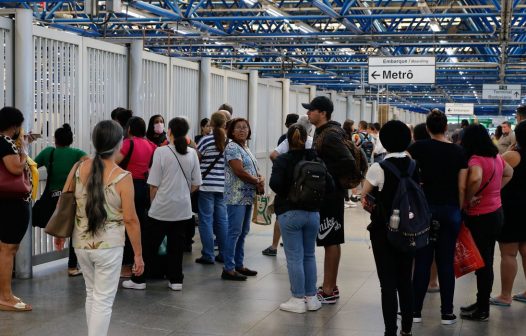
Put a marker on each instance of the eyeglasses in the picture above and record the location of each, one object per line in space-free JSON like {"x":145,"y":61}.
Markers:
{"x":242,"y":128}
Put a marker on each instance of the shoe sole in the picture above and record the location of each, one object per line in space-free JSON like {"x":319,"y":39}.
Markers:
{"x":177,"y":289}
{"x":417,"y":320}
{"x":135,"y":287}
{"x":475,"y":320}
{"x":448,"y":322}
{"x":314,"y":308}
{"x":297,"y":311}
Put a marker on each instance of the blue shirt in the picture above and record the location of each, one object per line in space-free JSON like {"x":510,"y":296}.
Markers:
{"x":238,"y":192}
{"x":215,"y":180}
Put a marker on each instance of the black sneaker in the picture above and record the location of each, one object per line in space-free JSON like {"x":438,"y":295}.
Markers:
{"x":448,"y":319}
{"x":403,"y":333}
{"x":335,"y":291}
{"x":469,"y":308}
{"x":247,"y":272}
{"x":220,"y":259}
{"x":234,"y":276}
{"x":326,"y":298}
{"x":204,"y":261}
{"x":355,"y":198}
{"x":269,"y":251}
{"x":475,"y":315}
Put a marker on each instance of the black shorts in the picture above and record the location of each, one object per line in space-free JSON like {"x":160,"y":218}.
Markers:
{"x":14,"y":219}
{"x":331,"y":220}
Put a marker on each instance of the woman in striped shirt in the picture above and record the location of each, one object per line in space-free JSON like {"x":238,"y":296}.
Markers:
{"x":212,"y":208}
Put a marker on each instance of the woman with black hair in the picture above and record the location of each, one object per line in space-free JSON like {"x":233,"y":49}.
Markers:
{"x":155,"y":132}
{"x":512,"y":240}
{"x":58,"y":161}
{"x":174,"y":175}
{"x":105,"y":210}
{"x":394,"y":267}
{"x":205,"y":130}
{"x":488,"y":174}
{"x":135,"y":156}
{"x":14,"y":209}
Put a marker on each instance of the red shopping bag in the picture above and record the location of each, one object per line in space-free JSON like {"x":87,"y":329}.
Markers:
{"x":467,"y":255}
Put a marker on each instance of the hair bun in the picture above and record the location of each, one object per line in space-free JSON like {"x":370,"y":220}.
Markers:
{"x":66,"y":127}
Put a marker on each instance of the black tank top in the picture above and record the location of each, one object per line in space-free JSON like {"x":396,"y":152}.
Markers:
{"x":515,"y":191}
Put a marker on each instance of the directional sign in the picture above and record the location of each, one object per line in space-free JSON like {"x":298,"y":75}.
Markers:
{"x":501,"y":91}
{"x":456,"y":109}
{"x":402,"y":70}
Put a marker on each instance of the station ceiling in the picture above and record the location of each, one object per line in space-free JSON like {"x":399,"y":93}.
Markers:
{"x":325,"y":43}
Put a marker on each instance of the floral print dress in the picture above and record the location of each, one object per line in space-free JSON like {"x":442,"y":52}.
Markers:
{"x":112,"y":234}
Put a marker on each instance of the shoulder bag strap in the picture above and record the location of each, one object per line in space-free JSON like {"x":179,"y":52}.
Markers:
{"x":251,"y":159}
{"x":489,"y":180}
{"x":49,"y":170}
{"x":211,"y":166}
{"x":182,"y":170}
{"x":124,"y":163}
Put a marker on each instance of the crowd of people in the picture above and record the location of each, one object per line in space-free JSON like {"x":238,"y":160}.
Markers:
{"x":142,"y":192}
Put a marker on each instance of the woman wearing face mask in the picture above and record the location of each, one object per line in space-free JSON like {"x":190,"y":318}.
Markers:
{"x":14,"y":210}
{"x":155,"y":132}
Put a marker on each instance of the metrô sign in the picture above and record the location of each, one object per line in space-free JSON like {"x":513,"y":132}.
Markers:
{"x":402,"y":70}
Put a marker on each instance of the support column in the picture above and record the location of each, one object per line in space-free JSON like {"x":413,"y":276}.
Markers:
{"x":136,"y":92}
{"x":375,"y":111}
{"x":363,"y":106}
{"x":205,"y":77}
{"x":285,"y":102}
{"x":253,"y":107}
{"x":349,"y":107}
{"x":312,"y":92}
{"x":24,"y":101}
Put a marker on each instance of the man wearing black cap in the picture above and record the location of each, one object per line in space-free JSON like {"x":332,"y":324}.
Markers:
{"x":329,"y":145}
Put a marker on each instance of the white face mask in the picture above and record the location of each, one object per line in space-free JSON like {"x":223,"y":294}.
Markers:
{"x":158,"y":128}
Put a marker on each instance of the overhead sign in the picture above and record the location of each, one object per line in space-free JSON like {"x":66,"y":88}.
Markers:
{"x":455,"y":108}
{"x":501,"y":91}
{"x":402,"y":70}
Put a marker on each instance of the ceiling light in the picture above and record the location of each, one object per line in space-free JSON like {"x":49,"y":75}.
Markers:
{"x":250,"y":2}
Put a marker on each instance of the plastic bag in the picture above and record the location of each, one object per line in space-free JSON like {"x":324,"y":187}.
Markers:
{"x":260,"y":212}
{"x":467,"y":255}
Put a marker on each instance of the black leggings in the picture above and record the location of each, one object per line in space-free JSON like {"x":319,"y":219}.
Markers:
{"x":485,"y":229}
{"x":394,"y":270}
{"x":141,"y":204}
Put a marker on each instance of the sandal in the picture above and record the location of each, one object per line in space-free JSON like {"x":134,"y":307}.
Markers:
{"x":17,"y":307}
{"x":520,"y":297}
{"x":72,"y":272}
{"x":497,"y":302}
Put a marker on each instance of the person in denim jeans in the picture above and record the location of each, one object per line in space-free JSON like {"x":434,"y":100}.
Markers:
{"x":241,"y":182}
{"x":212,"y":208}
{"x":443,"y":169}
{"x":299,"y":224}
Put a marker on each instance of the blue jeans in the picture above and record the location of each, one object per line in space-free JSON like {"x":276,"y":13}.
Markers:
{"x":443,"y":251}
{"x":299,"y":229}
{"x":212,"y":219}
{"x":239,"y":217}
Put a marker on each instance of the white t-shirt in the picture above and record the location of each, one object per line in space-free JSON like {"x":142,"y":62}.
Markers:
{"x":172,"y":201}
{"x":284,"y":145}
{"x":375,"y":175}
{"x":378,"y":147}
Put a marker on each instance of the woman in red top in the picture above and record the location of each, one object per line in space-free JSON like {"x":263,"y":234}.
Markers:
{"x":487,"y":174}
{"x":136,"y":156}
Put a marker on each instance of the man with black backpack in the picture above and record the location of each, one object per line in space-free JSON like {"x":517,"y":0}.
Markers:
{"x":330,"y":145}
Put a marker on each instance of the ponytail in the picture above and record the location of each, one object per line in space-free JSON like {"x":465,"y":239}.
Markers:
{"x":218,"y":122}
{"x":106,"y":137}
{"x":179,"y":128}
{"x":181,"y":145}
{"x":297,"y":136}
{"x":95,"y":210}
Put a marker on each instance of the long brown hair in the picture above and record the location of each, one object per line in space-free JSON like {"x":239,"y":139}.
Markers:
{"x":218,"y":122}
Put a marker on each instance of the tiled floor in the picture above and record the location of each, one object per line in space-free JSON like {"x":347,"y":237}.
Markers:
{"x":210,"y":306}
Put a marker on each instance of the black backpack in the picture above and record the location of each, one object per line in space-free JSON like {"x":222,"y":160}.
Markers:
{"x":415,"y":216}
{"x":367,"y":146}
{"x":309,"y":182}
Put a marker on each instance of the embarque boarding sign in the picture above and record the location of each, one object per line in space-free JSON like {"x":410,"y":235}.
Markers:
{"x":402,"y":70}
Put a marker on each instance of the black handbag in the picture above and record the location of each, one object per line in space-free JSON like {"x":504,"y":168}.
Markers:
{"x":45,"y":206}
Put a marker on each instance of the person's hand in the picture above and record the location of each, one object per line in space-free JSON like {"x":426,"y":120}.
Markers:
{"x":138,"y":266}
{"x":261,"y":179}
{"x":59,"y":243}
{"x":474,"y":201}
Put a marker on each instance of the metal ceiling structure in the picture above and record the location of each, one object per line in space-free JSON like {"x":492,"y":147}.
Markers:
{"x":323,"y":42}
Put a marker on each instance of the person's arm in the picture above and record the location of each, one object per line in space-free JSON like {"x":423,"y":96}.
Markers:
{"x":462,"y":178}
{"x":153,"y":192}
{"x":131,"y":222}
{"x":278,"y":177}
{"x":197,"y":178}
{"x":474,"y":180}
{"x":239,"y":171}
{"x":273,"y":155}
{"x":507,"y":174}
{"x":123,"y":152}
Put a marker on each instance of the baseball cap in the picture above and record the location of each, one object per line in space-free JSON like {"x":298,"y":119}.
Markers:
{"x":320,"y":103}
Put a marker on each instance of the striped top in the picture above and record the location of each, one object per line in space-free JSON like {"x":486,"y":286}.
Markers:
{"x":215,"y":180}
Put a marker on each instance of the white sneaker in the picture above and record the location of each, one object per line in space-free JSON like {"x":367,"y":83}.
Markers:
{"x":294,"y":305}
{"x":351,"y":204}
{"x":313,"y":303}
{"x":133,"y":285}
{"x":175,"y":286}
